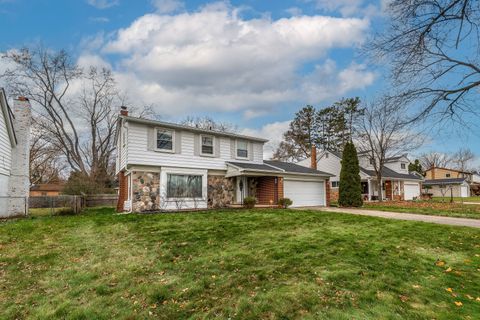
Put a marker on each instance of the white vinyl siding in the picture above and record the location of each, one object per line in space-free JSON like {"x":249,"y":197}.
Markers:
{"x":140,"y":154}
{"x":5,"y":147}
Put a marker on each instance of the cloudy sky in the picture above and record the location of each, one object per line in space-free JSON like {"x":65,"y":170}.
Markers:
{"x":252,"y":63}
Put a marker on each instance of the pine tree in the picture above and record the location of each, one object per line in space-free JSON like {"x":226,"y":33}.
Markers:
{"x":350,"y":193}
{"x":416,"y":167}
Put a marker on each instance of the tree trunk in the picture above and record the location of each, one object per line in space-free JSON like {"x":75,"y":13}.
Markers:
{"x":380,"y":190}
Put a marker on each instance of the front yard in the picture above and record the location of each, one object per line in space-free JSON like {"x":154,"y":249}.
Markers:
{"x":428,"y":207}
{"x":269,"y":264}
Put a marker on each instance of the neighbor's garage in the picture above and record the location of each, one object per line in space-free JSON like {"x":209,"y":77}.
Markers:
{"x":411,"y":190}
{"x":305,"y":193}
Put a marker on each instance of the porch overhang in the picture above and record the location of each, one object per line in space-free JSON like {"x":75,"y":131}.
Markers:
{"x":252,"y":170}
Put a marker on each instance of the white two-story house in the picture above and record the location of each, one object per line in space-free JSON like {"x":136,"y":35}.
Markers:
{"x":397,"y":182}
{"x":167,"y":166}
{"x":14,"y":156}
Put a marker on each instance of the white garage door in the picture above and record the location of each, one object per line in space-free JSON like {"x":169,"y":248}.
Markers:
{"x":412,"y":190}
{"x":305,"y":193}
{"x":464,"y":191}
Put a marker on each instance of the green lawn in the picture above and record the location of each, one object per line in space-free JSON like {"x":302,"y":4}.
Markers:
{"x":258,"y":264}
{"x":457,"y":199}
{"x":435,"y":208}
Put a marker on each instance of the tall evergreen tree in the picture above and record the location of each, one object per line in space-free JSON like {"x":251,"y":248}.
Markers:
{"x":300,"y":137}
{"x":416,"y":167}
{"x":350,"y":193}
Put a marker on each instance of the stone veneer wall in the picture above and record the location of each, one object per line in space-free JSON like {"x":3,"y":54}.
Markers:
{"x":221,"y":191}
{"x":145,"y":189}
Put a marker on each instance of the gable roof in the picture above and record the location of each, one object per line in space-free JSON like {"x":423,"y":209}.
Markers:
{"x":8,"y":116}
{"x":443,"y":181}
{"x":171,"y":125}
{"x":275,"y":166}
{"x":295,"y":168}
{"x":389,"y":173}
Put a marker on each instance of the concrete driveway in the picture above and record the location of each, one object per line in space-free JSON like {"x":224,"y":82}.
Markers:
{"x":474,"y":223}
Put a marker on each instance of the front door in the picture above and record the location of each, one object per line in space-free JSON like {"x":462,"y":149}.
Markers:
{"x":242,"y":189}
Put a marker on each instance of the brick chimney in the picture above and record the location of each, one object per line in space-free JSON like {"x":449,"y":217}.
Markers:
{"x":19,"y":182}
{"x":124,"y":111}
{"x":313,"y":158}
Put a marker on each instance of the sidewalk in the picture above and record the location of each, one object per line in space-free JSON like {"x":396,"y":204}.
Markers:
{"x":474,"y":223}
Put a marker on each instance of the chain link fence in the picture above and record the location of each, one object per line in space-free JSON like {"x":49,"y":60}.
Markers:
{"x":52,"y":205}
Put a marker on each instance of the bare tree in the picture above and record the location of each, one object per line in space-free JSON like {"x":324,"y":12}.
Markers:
{"x":383,"y":132}
{"x":208,"y":123}
{"x":46,"y":164}
{"x":435,"y":159}
{"x":73,"y":107}
{"x":433,"y":49}
{"x":463,"y":159}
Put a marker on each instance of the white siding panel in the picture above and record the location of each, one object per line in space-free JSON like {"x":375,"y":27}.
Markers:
{"x":5,"y":147}
{"x":257,"y":152}
{"x":137,"y":152}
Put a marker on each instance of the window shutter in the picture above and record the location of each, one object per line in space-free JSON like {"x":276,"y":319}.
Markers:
{"x":232,"y":149}
{"x":178,"y":142}
{"x":151,"y":141}
{"x":217,"y":147}
{"x":196,"y":144}
{"x":250,"y":151}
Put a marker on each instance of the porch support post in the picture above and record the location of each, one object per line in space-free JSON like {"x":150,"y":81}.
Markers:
{"x":369,"y":189}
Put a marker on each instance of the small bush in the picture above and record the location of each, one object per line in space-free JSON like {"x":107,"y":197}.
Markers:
{"x":285,"y":203}
{"x":249,"y":202}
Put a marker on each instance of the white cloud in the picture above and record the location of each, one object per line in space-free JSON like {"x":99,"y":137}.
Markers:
{"x":294,"y":11}
{"x":103,"y":4}
{"x":214,"y":60}
{"x":168,"y":6}
{"x":271,"y":131}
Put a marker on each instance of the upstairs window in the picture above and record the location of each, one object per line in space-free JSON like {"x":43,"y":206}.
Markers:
{"x":164,"y":140}
{"x":447,"y":175}
{"x":242,"y":149}
{"x":403,"y":166}
{"x":207,"y":145}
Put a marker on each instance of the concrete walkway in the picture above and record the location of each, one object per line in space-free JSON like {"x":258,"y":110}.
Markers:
{"x":474,"y":223}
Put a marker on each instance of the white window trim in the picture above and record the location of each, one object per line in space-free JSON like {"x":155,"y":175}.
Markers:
{"x":173,"y":140}
{"x":202,"y":198}
{"x":236,"y":149}
{"x":213,"y":145}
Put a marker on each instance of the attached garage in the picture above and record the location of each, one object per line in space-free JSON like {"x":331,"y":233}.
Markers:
{"x":411,"y":190}
{"x":305,"y":193}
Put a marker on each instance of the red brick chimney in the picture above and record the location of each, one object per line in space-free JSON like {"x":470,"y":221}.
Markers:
{"x":123,"y":111}
{"x":313,"y":158}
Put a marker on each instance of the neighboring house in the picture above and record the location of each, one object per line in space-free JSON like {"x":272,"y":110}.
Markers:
{"x":450,"y":187}
{"x":166,"y":166}
{"x":435,"y":173}
{"x":398,"y":183}
{"x":14,"y":156}
{"x":445,"y":182}
{"x":46,"y":189}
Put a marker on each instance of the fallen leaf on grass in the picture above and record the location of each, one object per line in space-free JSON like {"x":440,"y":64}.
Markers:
{"x":440,"y":263}
{"x":458,"y":303}
{"x":469,"y":297}
{"x":403,"y":298}
{"x":416,"y":286}
{"x":449,"y":289}
{"x":478,"y":299}
{"x":448,"y":270}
